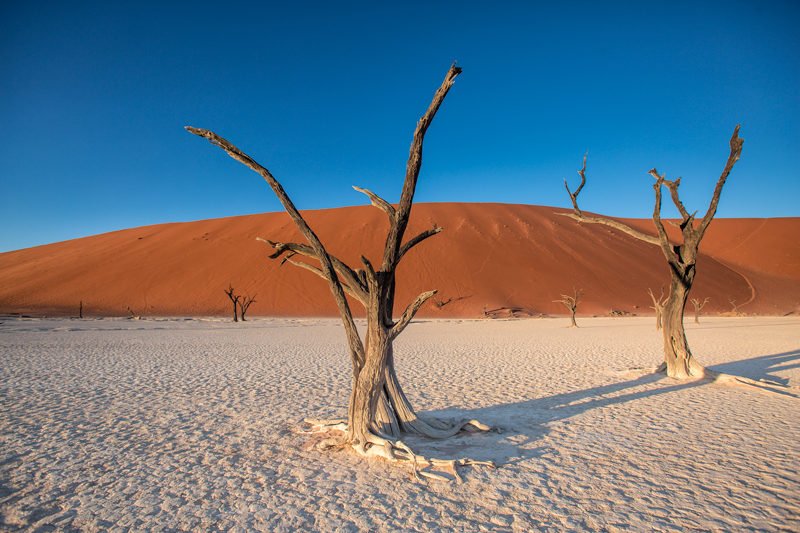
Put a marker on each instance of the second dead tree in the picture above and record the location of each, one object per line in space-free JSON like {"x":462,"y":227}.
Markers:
{"x":244,"y":305}
{"x":681,"y":257}
{"x":235,"y":300}
{"x":571,"y":303}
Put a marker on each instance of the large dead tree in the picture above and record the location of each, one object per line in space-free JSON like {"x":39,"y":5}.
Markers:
{"x":681,"y":257}
{"x":570,"y":301}
{"x":378,"y":410}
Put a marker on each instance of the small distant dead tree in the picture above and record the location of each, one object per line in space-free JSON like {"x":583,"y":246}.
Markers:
{"x":658,"y":305}
{"x":698,"y":306}
{"x":734,"y":307}
{"x":244,"y":305}
{"x":80,"y":310}
{"x":235,"y":300}
{"x":681,"y":257}
{"x":378,"y":410}
{"x":441,"y":302}
{"x":571,"y":303}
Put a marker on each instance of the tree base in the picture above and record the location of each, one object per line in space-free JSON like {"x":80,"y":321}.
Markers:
{"x":334,"y":435}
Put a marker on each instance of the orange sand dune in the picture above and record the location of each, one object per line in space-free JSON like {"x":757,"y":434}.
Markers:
{"x":489,"y":256}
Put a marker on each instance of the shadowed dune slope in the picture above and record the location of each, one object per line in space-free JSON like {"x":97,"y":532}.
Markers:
{"x":489,"y":256}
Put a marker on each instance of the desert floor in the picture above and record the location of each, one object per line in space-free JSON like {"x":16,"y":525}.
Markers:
{"x":190,"y":425}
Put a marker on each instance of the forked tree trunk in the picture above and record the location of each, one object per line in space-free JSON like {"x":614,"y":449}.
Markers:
{"x":677,"y":356}
{"x":573,"y":324}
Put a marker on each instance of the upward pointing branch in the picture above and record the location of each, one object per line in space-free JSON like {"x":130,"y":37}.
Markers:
{"x":391,"y":253}
{"x":574,"y":195}
{"x":735,"y":153}
{"x":578,"y":215}
{"x":356,"y":346}
{"x":378,"y":202}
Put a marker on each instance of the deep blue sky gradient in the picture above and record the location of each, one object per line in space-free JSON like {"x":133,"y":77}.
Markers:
{"x":94,"y":97}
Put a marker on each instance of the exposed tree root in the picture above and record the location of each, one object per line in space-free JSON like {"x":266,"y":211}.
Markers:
{"x":394,"y":450}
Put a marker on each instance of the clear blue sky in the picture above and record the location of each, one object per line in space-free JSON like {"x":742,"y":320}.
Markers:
{"x":94,"y":97}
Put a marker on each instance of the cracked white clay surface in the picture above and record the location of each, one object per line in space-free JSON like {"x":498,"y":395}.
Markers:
{"x":190,"y":425}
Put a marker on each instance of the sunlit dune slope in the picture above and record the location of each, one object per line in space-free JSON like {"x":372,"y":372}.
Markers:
{"x":489,"y":256}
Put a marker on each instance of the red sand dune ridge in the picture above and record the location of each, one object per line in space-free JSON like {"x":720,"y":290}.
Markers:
{"x":489,"y":256}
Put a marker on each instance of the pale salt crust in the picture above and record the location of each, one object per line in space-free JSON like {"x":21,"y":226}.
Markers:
{"x":189,"y":425}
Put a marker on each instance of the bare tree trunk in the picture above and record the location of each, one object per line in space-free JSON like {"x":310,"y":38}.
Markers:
{"x":677,"y":356}
{"x":368,"y":388}
{"x":80,"y":310}
{"x":572,"y":317}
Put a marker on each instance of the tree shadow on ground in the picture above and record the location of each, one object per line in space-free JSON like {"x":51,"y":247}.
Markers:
{"x":762,"y":367}
{"x":521,"y":425}
{"x":705,"y":325}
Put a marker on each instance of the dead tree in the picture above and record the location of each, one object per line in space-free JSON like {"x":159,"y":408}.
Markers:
{"x":244,"y":305}
{"x":658,"y":305}
{"x":235,"y":300}
{"x":571,"y":303}
{"x":378,"y":410}
{"x":80,"y":310}
{"x":698,"y":306}
{"x":734,"y":307}
{"x":681,"y":257}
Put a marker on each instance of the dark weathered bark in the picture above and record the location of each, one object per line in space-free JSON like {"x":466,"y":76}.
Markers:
{"x":234,"y":300}
{"x":698,"y":306}
{"x":681,"y":258}
{"x":378,"y":411}
{"x":80,"y":310}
